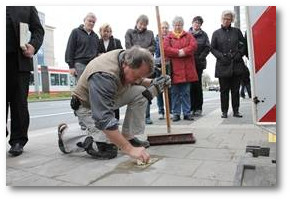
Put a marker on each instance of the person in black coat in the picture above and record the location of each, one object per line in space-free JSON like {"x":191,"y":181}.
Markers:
{"x":108,"y":43}
{"x":203,"y":49}
{"x":82,"y":46}
{"x":227,"y":45}
{"x":19,"y":63}
{"x":245,"y":78}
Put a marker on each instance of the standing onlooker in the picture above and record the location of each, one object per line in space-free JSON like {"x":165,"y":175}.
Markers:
{"x":246,"y":84}
{"x":179,"y":47}
{"x":228,"y":47}
{"x":245,"y":78}
{"x":160,"y":103}
{"x":203,"y":49}
{"x":144,"y":38}
{"x":19,"y":63}
{"x":108,"y":43}
{"x":82,"y":46}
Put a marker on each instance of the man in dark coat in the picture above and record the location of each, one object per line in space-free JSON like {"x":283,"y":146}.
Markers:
{"x":82,"y":46}
{"x":19,"y":63}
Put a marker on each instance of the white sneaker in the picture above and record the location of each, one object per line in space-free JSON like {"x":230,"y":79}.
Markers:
{"x":161,"y":116}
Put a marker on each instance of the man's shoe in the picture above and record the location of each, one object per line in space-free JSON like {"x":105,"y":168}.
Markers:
{"x":188,"y":118}
{"x":224,"y":115}
{"x":175,"y":118}
{"x":104,"y":151}
{"x":238,"y":115}
{"x":148,"y":121}
{"x":16,"y":149}
{"x":61,"y":130}
{"x":161,"y":116}
{"x":138,"y":143}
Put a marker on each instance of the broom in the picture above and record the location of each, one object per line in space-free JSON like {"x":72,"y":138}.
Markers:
{"x":169,"y":138}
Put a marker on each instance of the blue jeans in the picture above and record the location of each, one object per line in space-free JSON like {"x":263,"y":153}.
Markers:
{"x":180,"y":98}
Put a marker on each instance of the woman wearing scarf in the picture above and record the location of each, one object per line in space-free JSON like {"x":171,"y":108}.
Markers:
{"x":179,"y":47}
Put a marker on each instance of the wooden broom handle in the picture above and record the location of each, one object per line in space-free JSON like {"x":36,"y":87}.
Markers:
{"x":163,"y":70}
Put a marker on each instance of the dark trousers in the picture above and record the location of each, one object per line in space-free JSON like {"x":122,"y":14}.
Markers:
{"x":226,"y":85}
{"x":17,"y":87}
{"x":117,"y":114}
{"x":196,"y":95}
{"x":248,"y":88}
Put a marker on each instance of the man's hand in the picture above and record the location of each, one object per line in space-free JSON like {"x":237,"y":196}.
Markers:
{"x":139,"y":153}
{"x":73,"y":71}
{"x":28,"y":51}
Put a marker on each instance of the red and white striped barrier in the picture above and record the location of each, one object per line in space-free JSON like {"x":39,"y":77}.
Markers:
{"x":262,"y":54}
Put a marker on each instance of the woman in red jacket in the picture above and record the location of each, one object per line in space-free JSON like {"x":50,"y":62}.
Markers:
{"x":179,"y":47}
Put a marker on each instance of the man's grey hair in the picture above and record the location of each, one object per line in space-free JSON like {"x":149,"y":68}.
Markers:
{"x":143,"y":18}
{"x":177,"y":19}
{"x":136,"y":56}
{"x":90,"y":14}
{"x":229,"y":12}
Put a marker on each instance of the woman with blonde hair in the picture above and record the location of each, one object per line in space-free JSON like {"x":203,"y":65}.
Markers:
{"x":108,"y":43}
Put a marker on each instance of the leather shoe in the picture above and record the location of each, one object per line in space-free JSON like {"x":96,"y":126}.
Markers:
{"x":237,"y":114}
{"x":224,"y":115}
{"x":138,"y":143}
{"x":188,"y":118}
{"x":16,"y":149}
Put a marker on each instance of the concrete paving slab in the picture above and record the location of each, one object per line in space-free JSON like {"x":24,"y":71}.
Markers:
{"x":211,"y":161}
{"x":216,"y":170}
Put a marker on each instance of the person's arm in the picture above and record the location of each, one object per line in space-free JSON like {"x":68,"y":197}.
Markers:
{"x":119,"y":140}
{"x":102,"y":90}
{"x":36,"y":29}
{"x":118,"y":43}
{"x":170,"y":51}
{"x":37,"y":34}
{"x":128,"y":39}
{"x":214,"y":46}
{"x":152,"y":46}
{"x":70,"y":50}
{"x":206,"y":48}
{"x":191,"y":47}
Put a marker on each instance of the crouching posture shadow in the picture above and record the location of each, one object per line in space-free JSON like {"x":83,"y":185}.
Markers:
{"x":110,"y":81}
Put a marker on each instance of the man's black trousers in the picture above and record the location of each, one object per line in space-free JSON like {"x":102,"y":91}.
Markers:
{"x":17,"y":87}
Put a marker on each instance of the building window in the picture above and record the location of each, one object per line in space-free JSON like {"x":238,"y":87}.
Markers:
{"x":63,"y":79}
{"x":54,"y":79}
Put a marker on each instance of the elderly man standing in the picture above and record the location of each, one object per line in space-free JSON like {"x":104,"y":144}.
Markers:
{"x":82,"y":46}
{"x":112,"y":80}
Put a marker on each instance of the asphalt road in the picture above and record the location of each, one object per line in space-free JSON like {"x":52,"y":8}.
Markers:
{"x":51,"y":113}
